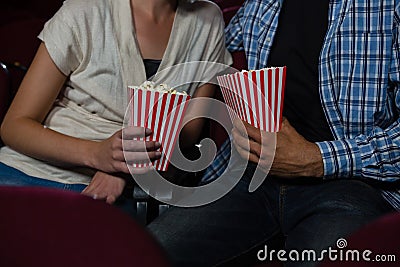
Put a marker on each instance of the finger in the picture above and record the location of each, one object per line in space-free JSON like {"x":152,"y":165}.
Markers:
{"x":246,"y":154}
{"x":131,"y":132}
{"x":246,"y":144}
{"x":140,"y":146}
{"x":253,"y":132}
{"x":86,"y":190}
{"x":268,"y":145}
{"x":136,"y":170}
{"x":238,"y":124}
{"x":110,"y":199}
{"x":95,"y":196}
{"x":141,"y":157}
{"x":99,"y":196}
{"x":133,"y":156}
{"x":247,"y":129}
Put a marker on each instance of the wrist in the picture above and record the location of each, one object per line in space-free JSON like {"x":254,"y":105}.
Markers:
{"x":89,"y":152}
{"x":315,"y":162}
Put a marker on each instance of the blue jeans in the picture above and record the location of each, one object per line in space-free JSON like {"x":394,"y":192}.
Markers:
{"x":280,"y":214}
{"x":12,"y":177}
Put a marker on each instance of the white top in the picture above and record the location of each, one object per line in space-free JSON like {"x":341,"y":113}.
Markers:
{"x":93,"y":43}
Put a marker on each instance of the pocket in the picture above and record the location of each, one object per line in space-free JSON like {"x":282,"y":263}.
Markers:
{"x":364,"y":52}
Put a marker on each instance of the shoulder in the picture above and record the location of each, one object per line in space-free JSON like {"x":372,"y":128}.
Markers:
{"x":202,"y":9}
{"x":87,"y":9}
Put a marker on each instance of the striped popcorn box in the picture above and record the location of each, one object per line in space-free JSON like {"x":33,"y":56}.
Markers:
{"x":256,"y":96}
{"x":161,"y":111}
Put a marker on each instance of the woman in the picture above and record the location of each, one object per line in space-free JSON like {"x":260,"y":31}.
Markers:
{"x":63,"y":128}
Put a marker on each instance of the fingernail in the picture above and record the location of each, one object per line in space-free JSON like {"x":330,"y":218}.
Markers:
{"x":148,"y":131}
{"x":158,"y":144}
{"x":158,"y":154}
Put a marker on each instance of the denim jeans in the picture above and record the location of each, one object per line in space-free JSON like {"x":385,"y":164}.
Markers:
{"x":281,"y":214}
{"x":12,"y":177}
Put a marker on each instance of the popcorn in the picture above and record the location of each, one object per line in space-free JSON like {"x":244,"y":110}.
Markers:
{"x":161,"y":109}
{"x":256,"y":96}
{"x":149,"y":85}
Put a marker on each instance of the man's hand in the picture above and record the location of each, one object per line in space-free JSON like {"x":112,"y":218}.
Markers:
{"x":294,"y":155}
{"x":105,"y":187}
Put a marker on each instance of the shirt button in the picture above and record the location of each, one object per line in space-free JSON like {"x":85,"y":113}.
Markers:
{"x":268,"y":39}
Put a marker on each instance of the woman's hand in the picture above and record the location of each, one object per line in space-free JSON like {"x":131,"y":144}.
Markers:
{"x":121,"y":150}
{"x":105,"y":187}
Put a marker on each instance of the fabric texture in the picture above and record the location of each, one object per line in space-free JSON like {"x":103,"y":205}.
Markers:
{"x":92,"y":42}
{"x":359,"y":75}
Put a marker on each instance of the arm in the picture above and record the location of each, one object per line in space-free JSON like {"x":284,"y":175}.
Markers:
{"x":376,"y":154}
{"x":23,"y":131}
{"x":233,"y":32}
{"x":193,"y":128}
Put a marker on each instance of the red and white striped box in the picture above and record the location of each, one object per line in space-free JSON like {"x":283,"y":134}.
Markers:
{"x":256,"y":96}
{"x":162,"y":112}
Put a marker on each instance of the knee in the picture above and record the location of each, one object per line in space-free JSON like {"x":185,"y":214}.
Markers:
{"x":353,"y":197}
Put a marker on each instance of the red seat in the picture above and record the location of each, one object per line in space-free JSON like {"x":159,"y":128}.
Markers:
{"x":381,"y":237}
{"x":46,"y":228}
{"x":229,"y":8}
{"x":28,"y":9}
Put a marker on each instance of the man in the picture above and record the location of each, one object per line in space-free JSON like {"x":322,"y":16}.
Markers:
{"x":337,"y":158}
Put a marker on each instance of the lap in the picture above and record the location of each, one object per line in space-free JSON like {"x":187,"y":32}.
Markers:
{"x":210,"y":234}
{"x":13,"y":177}
{"x":319,"y":215}
{"x":312,"y":215}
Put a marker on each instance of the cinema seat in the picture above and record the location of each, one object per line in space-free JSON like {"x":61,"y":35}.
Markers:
{"x":42,"y":227}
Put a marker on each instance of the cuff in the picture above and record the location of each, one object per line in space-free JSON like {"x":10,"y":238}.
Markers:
{"x":341,"y":158}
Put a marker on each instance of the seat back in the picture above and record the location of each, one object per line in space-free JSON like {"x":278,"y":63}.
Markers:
{"x":19,"y":46}
{"x":380,"y":237}
{"x":45,"y":228}
{"x":229,"y":8}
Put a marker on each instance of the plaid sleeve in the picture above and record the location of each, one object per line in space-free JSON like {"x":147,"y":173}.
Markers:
{"x":233,"y":32}
{"x":376,"y":155}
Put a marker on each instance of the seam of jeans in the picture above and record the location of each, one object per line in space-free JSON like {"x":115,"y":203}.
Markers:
{"x":249,"y":249}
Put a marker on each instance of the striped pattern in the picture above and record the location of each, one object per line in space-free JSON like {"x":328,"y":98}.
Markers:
{"x":256,"y":96}
{"x":163,"y":114}
{"x":359,"y":71}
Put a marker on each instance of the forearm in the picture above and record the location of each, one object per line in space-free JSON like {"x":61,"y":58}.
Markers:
{"x":376,"y":156}
{"x":31,"y":138}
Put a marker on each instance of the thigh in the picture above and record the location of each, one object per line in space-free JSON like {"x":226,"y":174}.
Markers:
{"x":219,"y":231}
{"x":12,"y":177}
{"x":328,"y":212}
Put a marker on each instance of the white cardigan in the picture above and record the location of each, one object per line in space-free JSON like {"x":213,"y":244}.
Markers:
{"x":93,"y":43}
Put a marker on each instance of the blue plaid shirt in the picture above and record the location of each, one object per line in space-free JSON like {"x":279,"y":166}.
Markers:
{"x":359,"y":76}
